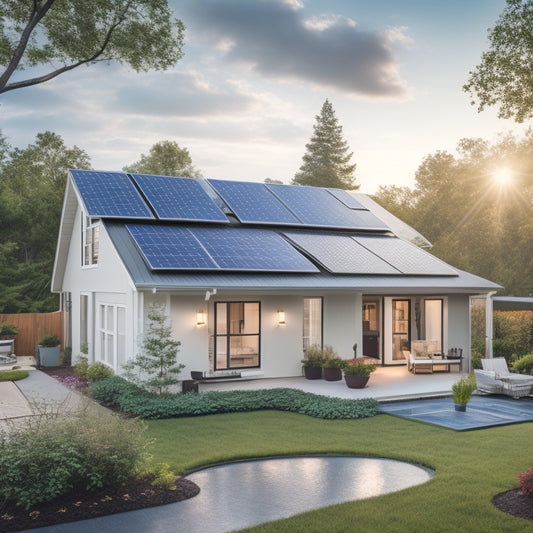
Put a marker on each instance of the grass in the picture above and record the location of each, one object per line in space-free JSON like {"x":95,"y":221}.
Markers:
{"x":13,"y":375}
{"x":471,"y":466}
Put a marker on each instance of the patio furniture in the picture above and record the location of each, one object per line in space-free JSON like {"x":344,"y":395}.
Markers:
{"x":515,"y":385}
{"x":424,"y":357}
{"x":486,"y":382}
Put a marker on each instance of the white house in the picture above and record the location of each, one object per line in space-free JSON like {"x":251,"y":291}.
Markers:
{"x":249,"y":273}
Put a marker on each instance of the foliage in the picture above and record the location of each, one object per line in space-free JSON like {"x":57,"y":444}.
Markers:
{"x":72,"y":382}
{"x":139,"y":33}
{"x":526,"y":481}
{"x":513,"y":333}
{"x":333,"y":362}
{"x":166,"y":158}
{"x":474,"y":223}
{"x":326,"y":162}
{"x":162,"y":476}
{"x":463,"y":388}
{"x":91,"y":371}
{"x":8,"y":329}
{"x":504,"y":77}
{"x":476,"y":360}
{"x":49,"y":341}
{"x":13,"y":375}
{"x":48,"y":455}
{"x":314,"y":356}
{"x":156,"y":368}
{"x":32,"y":186}
{"x":358,"y":368}
{"x":524,"y":365}
{"x":135,"y":401}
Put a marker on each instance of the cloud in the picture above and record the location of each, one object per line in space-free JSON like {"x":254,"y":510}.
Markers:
{"x":275,"y":39}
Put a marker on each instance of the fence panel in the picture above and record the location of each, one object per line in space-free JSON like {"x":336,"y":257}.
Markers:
{"x":33,"y":326}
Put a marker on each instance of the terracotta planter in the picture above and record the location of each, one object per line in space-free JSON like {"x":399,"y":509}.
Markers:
{"x":332,"y":374}
{"x":313,"y":372}
{"x":460,"y":407}
{"x":356,"y":382}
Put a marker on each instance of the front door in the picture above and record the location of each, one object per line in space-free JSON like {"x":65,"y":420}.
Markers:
{"x":397,"y":333}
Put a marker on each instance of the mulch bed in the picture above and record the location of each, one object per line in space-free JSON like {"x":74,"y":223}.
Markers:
{"x":514,"y":502}
{"x":79,"y":505}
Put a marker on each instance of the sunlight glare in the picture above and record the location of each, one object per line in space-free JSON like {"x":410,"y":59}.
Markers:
{"x":502,"y":176}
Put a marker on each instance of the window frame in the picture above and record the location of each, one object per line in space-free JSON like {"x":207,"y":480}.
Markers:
{"x":108,"y":337}
{"x":90,"y":241}
{"x":307,"y":339}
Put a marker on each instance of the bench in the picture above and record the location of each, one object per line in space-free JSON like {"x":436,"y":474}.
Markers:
{"x":202,"y":377}
{"x":427,"y":364}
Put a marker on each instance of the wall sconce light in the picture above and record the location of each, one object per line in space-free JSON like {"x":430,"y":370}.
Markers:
{"x":281,"y":317}
{"x":200,"y":318}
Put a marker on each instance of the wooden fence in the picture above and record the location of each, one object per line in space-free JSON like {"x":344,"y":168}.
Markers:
{"x":33,"y":326}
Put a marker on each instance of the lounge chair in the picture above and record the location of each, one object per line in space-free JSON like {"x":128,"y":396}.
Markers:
{"x":487,"y":382}
{"x":515,"y":385}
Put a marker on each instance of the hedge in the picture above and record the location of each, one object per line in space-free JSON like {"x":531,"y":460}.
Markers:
{"x":133,"y":400}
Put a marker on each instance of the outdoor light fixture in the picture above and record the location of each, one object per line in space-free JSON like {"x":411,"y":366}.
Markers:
{"x":281,"y":317}
{"x":200,"y":318}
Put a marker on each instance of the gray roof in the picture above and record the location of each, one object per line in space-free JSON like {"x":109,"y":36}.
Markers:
{"x":143,"y":277}
{"x":512,"y":303}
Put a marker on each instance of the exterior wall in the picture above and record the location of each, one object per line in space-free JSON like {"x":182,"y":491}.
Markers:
{"x":459,"y":325}
{"x":107,"y":283}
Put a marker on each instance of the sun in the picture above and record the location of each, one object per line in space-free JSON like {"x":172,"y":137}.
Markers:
{"x":502,"y":176}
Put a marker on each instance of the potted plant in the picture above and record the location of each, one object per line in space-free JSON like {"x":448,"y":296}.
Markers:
{"x":357,"y":374}
{"x":49,"y":347}
{"x":332,"y":369}
{"x":8,"y":331}
{"x":314,"y":358}
{"x":462,"y":390}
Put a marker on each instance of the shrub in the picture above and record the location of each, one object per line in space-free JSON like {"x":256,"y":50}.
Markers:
{"x":49,"y":341}
{"x":98,"y":371}
{"x":526,"y":481}
{"x":358,"y":369}
{"x":463,"y":388}
{"x":48,"y":455}
{"x":162,"y":476}
{"x":13,"y":375}
{"x":81,"y":367}
{"x":134,"y":400}
{"x":8,"y":329}
{"x":524,"y":365}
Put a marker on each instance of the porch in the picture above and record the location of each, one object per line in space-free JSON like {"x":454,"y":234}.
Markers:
{"x":393,"y":383}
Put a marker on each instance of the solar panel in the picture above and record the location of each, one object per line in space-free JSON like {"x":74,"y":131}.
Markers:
{"x":339,"y":254}
{"x":347,"y":199}
{"x":406,"y":257}
{"x":251,"y":249}
{"x":253,"y":203}
{"x":170,"y":247}
{"x":315,"y":206}
{"x":110,"y":194}
{"x":179,"y":198}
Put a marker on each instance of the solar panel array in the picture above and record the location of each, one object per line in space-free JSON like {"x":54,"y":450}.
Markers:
{"x":110,"y":194}
{"x":315,"y":206}
{"x":237,"y":249}
{"x":340,"y":254}
{"x":347,"y":199}
{"x":179,"y":198}
{"x":253,"y":203}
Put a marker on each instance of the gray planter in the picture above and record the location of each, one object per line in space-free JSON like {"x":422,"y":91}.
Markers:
{"x":49,"y":356}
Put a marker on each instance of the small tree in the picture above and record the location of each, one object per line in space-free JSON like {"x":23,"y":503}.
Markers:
{"x":327,"y":160}
{"x":156,"y":368}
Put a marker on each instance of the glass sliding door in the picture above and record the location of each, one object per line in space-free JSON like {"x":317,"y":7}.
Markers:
{"x":401,"y":328}
{"x":433,"y":320}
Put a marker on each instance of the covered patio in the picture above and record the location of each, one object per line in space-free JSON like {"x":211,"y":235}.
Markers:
{"x":393,"y":383}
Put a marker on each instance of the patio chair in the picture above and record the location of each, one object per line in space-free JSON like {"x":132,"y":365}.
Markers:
{"x":515,"y":385}
{"x":486,"y":382}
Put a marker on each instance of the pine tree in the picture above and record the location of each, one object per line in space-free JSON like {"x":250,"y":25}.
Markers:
{"x":327,"y":160}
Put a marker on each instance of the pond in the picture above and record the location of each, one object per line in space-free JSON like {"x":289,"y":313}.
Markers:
{"x":242,"y":494}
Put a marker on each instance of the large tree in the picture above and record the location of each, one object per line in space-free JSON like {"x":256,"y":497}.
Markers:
{"x":327,"y":160}
{"x":32,"y":186}
{"x":474,"y":221}
{"x":505,"y":75}
{"x":69,"y":33}
{"x":166,"y":158}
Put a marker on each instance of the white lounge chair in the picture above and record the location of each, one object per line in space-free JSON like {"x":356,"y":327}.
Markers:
{"x":515,"y":385}
{"x":486,"y":382}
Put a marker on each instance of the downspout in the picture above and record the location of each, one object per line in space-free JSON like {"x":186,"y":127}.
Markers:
{"x":489,"y":324}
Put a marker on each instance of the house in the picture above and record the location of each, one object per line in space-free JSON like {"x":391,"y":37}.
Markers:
{"x":250,"y":274}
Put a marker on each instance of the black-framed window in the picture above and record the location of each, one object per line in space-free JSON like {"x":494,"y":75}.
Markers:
{"x":237,"y":335}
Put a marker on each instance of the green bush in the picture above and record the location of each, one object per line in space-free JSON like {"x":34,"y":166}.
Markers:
{"x":524,"y":365}
{"x":13,"y":375}
{"x":134,"y":400}
{"x":49,"y":455}
{"x":49,"y":341}
{"x":91,"y":371}
{"x":503,"y":348}
{"x":162,"y":476}
{"x":81,"y":367}
{"x":515,"y":330}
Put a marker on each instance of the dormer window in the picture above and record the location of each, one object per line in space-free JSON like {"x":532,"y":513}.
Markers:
{"x":91,"y":241}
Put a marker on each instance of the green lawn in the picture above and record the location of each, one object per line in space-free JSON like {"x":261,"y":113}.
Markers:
{"x":470,"y":466}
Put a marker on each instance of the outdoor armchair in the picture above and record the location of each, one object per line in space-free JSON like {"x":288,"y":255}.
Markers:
{"x":515,"y":385}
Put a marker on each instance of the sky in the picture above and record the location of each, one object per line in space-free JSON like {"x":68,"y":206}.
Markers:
{"x":244,"y":98}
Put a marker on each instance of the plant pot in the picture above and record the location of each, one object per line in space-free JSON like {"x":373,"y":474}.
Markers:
{"x":356,"y":382}
{"x":332,"y":374}
{"x":49,"y":356}
{"x":460,"y":407}
{"x":313,"y":372}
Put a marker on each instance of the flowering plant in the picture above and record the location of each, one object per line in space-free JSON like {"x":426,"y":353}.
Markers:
{"x":72,"y":382}
{"x":526,"y":481}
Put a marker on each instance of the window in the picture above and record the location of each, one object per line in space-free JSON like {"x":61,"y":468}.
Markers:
{"x":91,"y":241}
{"x":84,"y":323}
{"x":312,"y":326}
{"x":237,"y":335}
{"x":112,"y":334}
